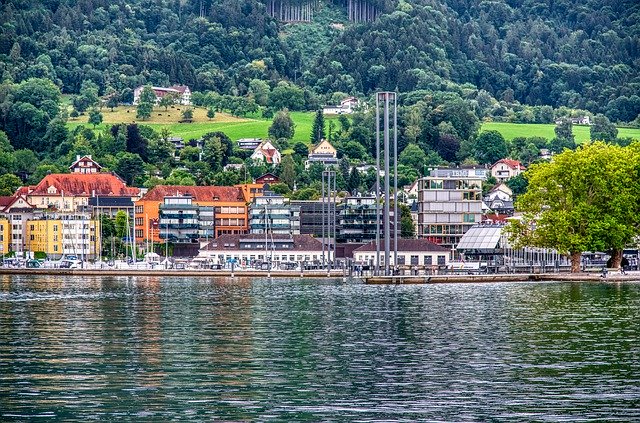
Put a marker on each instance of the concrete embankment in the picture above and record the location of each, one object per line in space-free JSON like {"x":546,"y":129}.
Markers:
{"x":373,"y":280}
{"x":524,"y":277}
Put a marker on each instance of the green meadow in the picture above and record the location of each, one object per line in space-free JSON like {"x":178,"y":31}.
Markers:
{"x":512,"y":130}
{"x":237,"y":128}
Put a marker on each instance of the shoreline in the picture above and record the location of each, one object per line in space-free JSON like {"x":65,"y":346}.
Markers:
{"x":336,"y":273}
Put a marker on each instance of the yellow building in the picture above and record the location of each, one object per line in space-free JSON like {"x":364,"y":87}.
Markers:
{"x":5,"y":236}
{"x":65,"y":235}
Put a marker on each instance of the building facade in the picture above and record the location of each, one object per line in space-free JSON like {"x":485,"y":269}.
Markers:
{"x":449,"y":203}
{"x":419,"y":253}
{"x":182,"y":221}
{"x":58,"y":235}
{"x":5,"y":234}
{"x":70,"y":192}
{"x":505,"y":169}
{"x":230,"y":208}
{"x":253,"y":250}
{"x":357,"y":220}
{"x":181,"y":93}
{"x":311,"y":216}
{"x":323,"y":153}
{"x":273,"y":214}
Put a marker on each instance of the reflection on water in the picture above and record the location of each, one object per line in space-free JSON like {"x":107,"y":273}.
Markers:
{"x":201,"y":349}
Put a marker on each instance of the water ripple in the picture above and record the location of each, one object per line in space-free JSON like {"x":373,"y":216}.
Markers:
{"x":163,"y":349}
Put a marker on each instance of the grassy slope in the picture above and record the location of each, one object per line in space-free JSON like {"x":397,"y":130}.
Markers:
{"x":237,"y":128}
{"x":234,"y":127}
{"x":512,"y":130}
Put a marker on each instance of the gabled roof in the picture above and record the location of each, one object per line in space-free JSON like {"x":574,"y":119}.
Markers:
{"x":7,"y":202}
{"x":407,"y":245}
{"x":87,"y":184}
{"x":85,"y":158}
{"x":513,"y":164}
{"x":322,"y":143}
{"x":205,"y":193}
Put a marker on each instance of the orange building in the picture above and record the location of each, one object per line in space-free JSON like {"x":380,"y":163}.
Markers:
{"x":230,"y":204}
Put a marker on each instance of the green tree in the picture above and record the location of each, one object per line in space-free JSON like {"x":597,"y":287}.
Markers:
{"x":286,"y":96}
{"x":489,"y":147}
{"x":583,"y":200}
{"x":407,"y":226}
{"x":282,"y":126}
{"x":147,"y":96}
{"x":9,"y":183}
{"x":354,"y":182}
{"x":564,"y":130}
{"x":187,"y":114}
{"x":518,"y":185}
{"x":190,"y":154}
{"x":413,"y":156}
{"x":213,"y":153}
{"x":144,"y":111}
{"x":260,"y":91}
{"x":95,"y":117}
{"x":26,"y":162}
{"x":112,"y":102}
{"x":167,"y":101}
{"x":288,"y":173}
{"x":602,"y":129}
{"x":211,"y":113}
{"x":129,"y":166}
{"x":121,"y":224}
{"x":317,"y":130}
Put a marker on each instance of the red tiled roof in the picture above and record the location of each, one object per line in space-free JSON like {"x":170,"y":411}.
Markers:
{"x":88,"y":184}
{"x":6,"y":200}
{"x":407,"y":245}
{"x":206,"y":193}
{"x":513,"y":164}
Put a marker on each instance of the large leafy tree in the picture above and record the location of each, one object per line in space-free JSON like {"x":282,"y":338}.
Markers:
{"x":583,"y":200}
{"x":489,"y":147}
{"x":282,"y":126}
{"x":602,"y":129}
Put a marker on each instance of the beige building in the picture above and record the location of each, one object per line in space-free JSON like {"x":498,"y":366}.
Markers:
{"x":505,"y":169}
{"x":69,"y":192}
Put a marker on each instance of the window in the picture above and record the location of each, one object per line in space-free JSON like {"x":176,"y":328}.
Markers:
{"x":55,"y":248}
{"x":428,"y":260}
{"x":414,"y":260}
{"x":441,"y":260}
{"x":400,"y":258}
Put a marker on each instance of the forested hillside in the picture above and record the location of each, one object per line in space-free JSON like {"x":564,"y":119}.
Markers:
{"x":580,"y":54}
{"x":455,"y":63}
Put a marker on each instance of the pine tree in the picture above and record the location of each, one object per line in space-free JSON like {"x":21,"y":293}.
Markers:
{"x":317,"y":130}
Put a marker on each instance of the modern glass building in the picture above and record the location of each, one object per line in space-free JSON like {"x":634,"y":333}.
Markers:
{"x":181,"y":221}
{"x":449,"y":203}
{"x":273,"y":214}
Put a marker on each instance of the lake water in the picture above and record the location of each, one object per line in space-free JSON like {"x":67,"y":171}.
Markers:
{"x":202,"y":349}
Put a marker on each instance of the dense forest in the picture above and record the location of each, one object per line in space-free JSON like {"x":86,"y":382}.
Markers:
{"x":580,"y":54}
{"x":454,"y":62}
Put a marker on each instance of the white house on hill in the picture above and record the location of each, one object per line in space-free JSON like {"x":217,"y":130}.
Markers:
{"x":182,"y":94}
